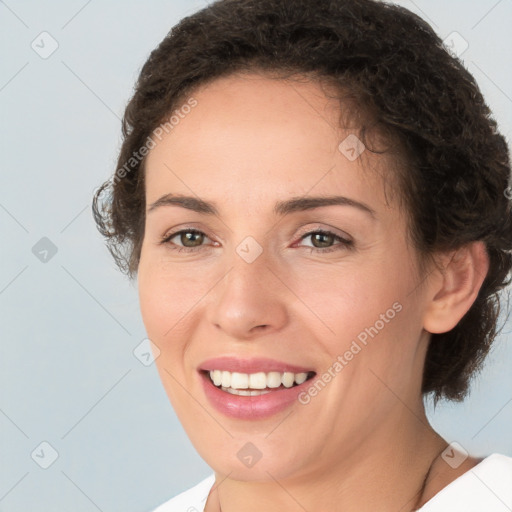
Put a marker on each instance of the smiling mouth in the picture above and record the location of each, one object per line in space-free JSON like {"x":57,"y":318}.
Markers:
{"x":255,"y":384}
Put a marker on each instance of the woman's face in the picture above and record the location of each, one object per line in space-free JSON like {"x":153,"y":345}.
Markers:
{"x":262,"y":299}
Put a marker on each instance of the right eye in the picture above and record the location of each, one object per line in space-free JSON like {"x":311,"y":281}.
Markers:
{"x":184,"y":237}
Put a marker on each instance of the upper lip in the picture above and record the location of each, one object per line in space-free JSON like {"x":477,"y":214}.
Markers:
{"x":252,"y":365}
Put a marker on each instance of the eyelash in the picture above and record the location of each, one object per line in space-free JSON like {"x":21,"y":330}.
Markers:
{"x":344,"y":244}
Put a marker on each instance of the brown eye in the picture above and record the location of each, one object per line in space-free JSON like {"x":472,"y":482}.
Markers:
{"x":321,"y":240}
{"x":191,"y":238}
{"x":184,"y":240}
{"x":324,"y":241}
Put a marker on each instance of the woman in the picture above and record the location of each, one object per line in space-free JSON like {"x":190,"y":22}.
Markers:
{"x":314,"y":200}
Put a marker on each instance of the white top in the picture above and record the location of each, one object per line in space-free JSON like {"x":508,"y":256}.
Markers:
{"x":487,"y":487}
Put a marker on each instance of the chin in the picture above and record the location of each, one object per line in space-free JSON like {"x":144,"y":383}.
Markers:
{"x":253,"y":458}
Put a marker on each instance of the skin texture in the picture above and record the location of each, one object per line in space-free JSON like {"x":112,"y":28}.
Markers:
{"x":364,"y":442}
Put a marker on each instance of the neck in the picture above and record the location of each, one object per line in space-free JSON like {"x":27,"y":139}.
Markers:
{"x":389,"y":472}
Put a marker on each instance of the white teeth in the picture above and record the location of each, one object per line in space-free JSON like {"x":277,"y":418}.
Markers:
{"x":245,"y":392}
{"x":239,"y":380}
{"x":287,"y":379}
{"x":226,"y":379}
{"x":216,"y":376}
{"x":273,"y":379}
{"x":255,"y":381}
{"x":301,"y":377}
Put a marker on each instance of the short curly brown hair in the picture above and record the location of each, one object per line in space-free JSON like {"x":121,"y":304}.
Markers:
{"x":392,"y":62}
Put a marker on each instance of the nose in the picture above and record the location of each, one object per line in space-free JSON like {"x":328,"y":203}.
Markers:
{"x":250,"y":300}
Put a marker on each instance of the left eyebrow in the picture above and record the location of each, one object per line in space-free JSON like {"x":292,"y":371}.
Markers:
{"x":296,"y":204}
{"x":281,"y":208}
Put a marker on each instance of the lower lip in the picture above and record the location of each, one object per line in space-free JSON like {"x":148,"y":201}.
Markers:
{"x":251,"y":407}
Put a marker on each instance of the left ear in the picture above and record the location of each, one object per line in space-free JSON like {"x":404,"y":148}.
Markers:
{"x":456,"y":287}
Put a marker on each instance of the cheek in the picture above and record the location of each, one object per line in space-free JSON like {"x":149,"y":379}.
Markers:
{"x":345,"y":299}
{"x":167,"y":294}
{"x":367,"y":310}
{"x":168,"y":301}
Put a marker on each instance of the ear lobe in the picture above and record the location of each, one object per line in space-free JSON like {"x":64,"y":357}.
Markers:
{"x":459,"y":282}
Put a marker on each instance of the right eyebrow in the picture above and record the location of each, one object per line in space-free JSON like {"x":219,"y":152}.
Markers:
{"x":191,"y":203}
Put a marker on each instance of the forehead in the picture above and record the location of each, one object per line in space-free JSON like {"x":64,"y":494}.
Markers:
{"x":253,"y":135}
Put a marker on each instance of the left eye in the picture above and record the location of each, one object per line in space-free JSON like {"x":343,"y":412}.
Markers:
{"x":324,"y":239}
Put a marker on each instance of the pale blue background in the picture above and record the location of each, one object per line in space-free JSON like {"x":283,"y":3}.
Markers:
{"x":69,"y":326}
